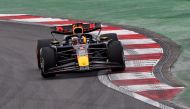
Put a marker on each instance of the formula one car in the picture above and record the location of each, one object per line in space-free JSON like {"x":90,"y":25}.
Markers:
{"x":79,"y":50}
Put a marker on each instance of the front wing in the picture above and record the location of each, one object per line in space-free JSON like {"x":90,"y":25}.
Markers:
{"x":96,"y":65}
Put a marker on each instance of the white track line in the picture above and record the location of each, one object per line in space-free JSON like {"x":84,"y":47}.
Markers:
{"x":4,"y":15}
{"x":140,"y":63}
{"x":104,"y":25}
{"x":104,"y":80}
{"x":148,"y":87}
{"x":53,"y":25}
{"x":118,"y":32}
{"x":137,"y":41}
{"x":142,"y":51}
{"x":40,"y":20}
{"x":129,"y":76}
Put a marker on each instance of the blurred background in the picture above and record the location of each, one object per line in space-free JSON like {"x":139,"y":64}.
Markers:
{"x":167,"y":17}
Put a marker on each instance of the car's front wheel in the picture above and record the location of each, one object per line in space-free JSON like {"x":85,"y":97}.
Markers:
{"x":116,"y":55}
{"x":47,"y":61}
{"x":40,"y":44}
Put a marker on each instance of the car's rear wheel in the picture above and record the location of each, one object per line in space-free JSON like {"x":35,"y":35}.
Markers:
{"x":47,"y":61}
{"x":40,"y":44}
{"x":116,"y":55}
{"x":109,"y":36}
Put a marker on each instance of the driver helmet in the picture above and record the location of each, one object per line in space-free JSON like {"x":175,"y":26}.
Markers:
{"x":74,"y":40}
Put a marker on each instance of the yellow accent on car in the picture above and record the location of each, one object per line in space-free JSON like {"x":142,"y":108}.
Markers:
{"x":84,"y":39}
{"x":83,"y":60}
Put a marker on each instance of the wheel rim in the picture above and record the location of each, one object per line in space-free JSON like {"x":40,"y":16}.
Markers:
{"x":123,"y":57}
{"x":123,"y":61}
{"x":42,"y":64}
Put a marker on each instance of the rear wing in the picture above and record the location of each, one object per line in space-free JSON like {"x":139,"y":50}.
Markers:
{"x":70,"y":29}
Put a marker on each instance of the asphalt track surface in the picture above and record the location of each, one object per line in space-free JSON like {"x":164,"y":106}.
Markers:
{"x":21,"y":86}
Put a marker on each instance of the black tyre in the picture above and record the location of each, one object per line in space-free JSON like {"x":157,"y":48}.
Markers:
{"x":115,"y":54}
{"x":40,"y":44}
{"x":109,"y":36}
{"x":47,"y":61}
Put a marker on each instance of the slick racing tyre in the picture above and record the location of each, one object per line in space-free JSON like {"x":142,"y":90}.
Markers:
{"x":109,"y":36}
{"x":115,"y":54}
{"x":40,"y":44}
{"x":47,"y":61}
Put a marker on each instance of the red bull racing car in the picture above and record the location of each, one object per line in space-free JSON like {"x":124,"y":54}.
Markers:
{"x":79,"y":50}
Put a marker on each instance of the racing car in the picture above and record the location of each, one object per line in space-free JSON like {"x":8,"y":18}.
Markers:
{"x":82,"y":48}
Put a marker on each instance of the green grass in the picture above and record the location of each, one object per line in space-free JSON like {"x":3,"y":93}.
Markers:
{"x":168,"y":17}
